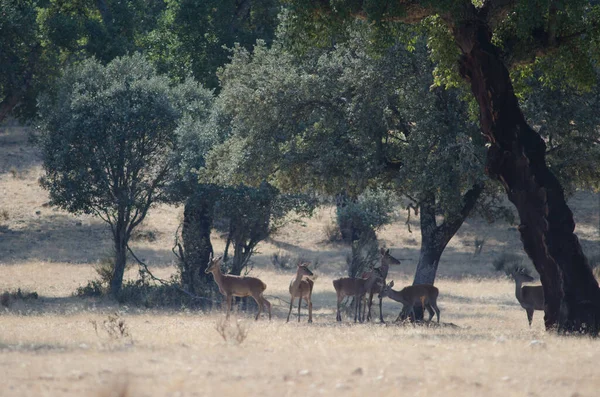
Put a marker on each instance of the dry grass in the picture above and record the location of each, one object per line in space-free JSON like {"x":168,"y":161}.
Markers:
{"x":49,"y":346}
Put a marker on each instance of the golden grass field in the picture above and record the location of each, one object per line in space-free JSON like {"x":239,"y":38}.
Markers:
{"x":50,"y":346}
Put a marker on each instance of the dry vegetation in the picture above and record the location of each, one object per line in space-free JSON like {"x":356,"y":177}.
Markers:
{"x":61,"y":345}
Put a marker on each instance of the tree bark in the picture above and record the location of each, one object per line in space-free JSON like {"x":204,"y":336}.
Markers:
{"x":197,"y":224}
{"x":120,"y":240}
{"x":434,"y":238}
{"x":516,"y":158}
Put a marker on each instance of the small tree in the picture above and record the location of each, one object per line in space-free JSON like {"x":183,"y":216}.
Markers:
{"x":250,"y":215}
{"x":107,"y":137}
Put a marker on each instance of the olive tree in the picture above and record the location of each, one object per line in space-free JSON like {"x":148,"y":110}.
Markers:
{"x":107,"y":139}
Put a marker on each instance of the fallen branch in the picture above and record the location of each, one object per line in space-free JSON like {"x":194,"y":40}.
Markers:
{"x":167,"y":283}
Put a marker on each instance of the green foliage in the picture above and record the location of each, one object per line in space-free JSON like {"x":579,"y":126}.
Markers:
{"x":568,"y":122}
{"x":191,"y":34}
{"x":373,"y":209}
{"x":249,"y":215}
{"x":107,"y":137}
{"x":104,"y":29}
{"x":20,"y":58}
{"x":346,"y":119}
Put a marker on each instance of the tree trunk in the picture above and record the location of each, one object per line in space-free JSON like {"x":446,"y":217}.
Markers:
{"x":434,"y":238}
{"x":120,"y":240}
{"x":516,"y":158}
{"x":197,"y":224}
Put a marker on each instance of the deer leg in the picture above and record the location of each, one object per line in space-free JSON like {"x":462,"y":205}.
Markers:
{"x":291,"y":306}
{"x":412,"y":311}
{"x":381,"y":311}
{"x":299,"y":306}
{"x":399,"y":315}
{"x":228,"y":306}
{"x":369,"y":303}
{"x":338,"y":316}
{"x":430,"y":310}
{"x":309,"y":299}
{"x":529,"y":316}
{"x":268,"y":305}
{"x":259,"y":302}
{"x":437,"y":311}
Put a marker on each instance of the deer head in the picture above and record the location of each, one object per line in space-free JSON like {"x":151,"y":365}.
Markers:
{"x":386,"y":290}
{"x":304,"y":270}
{"x":213,"y":264}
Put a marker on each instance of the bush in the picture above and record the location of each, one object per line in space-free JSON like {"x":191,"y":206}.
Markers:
{"x":7,"y":297}
{"x":364,"y":255}
{"x":282,"y":261}
{"x":507,"y":262}
{"x":332,"y":233}
{"x":372,"y":210}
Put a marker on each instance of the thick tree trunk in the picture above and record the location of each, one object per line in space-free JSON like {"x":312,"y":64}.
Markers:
{"x":197,"y":224}
{"x":516,"y":158}
{"x":120,"y":241}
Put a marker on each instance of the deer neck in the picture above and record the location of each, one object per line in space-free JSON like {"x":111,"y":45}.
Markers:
{"x":518,"y":292}
{"x":297,"y":280}
{"x":395,"y":295}
{"x":218,"y":277}
{"x":383,"y":270}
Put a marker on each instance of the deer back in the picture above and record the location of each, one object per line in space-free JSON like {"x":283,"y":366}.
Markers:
{"x":421,"y":292}
{"x":349,"y":286}
{"x":242,"y":286}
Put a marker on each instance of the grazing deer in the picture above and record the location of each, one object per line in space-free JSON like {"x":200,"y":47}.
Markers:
{"x":355,"y":287}
{"x":301,"y":287}
{"x":376,"y":285}
{"x":530,"y":297}
{"x":425,"y":294}
{"x":230,"y":286}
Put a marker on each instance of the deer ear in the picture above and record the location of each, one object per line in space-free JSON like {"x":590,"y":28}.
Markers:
{"x":219,"y":258}
{"x":387,"y":252}
{"x":391,"y":283}
{"x":382,"y":251}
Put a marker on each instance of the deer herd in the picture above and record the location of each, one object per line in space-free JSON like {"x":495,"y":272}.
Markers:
{"x":361,"y":289}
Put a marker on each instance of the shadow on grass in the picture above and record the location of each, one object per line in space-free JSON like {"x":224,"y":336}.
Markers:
{"x":62,"y":238}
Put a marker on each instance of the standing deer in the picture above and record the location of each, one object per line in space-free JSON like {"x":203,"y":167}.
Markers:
{"x":530,"y":297}
{"x":376,"y":285}
{"x":301,"y":287}
{"x":355,"y":287}
{"x":409,"y":296}
{"x":230,"y":286}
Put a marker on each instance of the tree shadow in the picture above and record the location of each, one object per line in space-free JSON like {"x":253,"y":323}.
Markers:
{"x":17,"y":155}
{"x":62,"y":238}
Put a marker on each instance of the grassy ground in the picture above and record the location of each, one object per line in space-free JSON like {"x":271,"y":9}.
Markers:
{"x":62,"y":345}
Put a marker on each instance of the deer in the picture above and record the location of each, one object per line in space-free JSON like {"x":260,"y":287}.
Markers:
{"x":424,"y":293}
{"x":242,"y":286}
{"x":530,"y":297}
{"x":376,"y":284}
{"x":355,"y":287}
{"x":301,"y":287}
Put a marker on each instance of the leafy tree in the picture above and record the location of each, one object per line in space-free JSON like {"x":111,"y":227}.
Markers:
{"x":249,"y":215}
{"x":490,"y":37}
{"x":191,"y":34}
{"x":348,"y":119}
{"x":196,"y":135}
{"x":107,"y":137}
{"x":20,"y":56}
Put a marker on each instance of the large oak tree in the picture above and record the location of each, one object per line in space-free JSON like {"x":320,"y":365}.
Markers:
{"x":490,"y":37}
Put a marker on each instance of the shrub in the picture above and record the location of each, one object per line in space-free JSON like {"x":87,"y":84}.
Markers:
{"x":7,"y":297}
{"x":282,"y":261}
{"x":332,"y":233}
